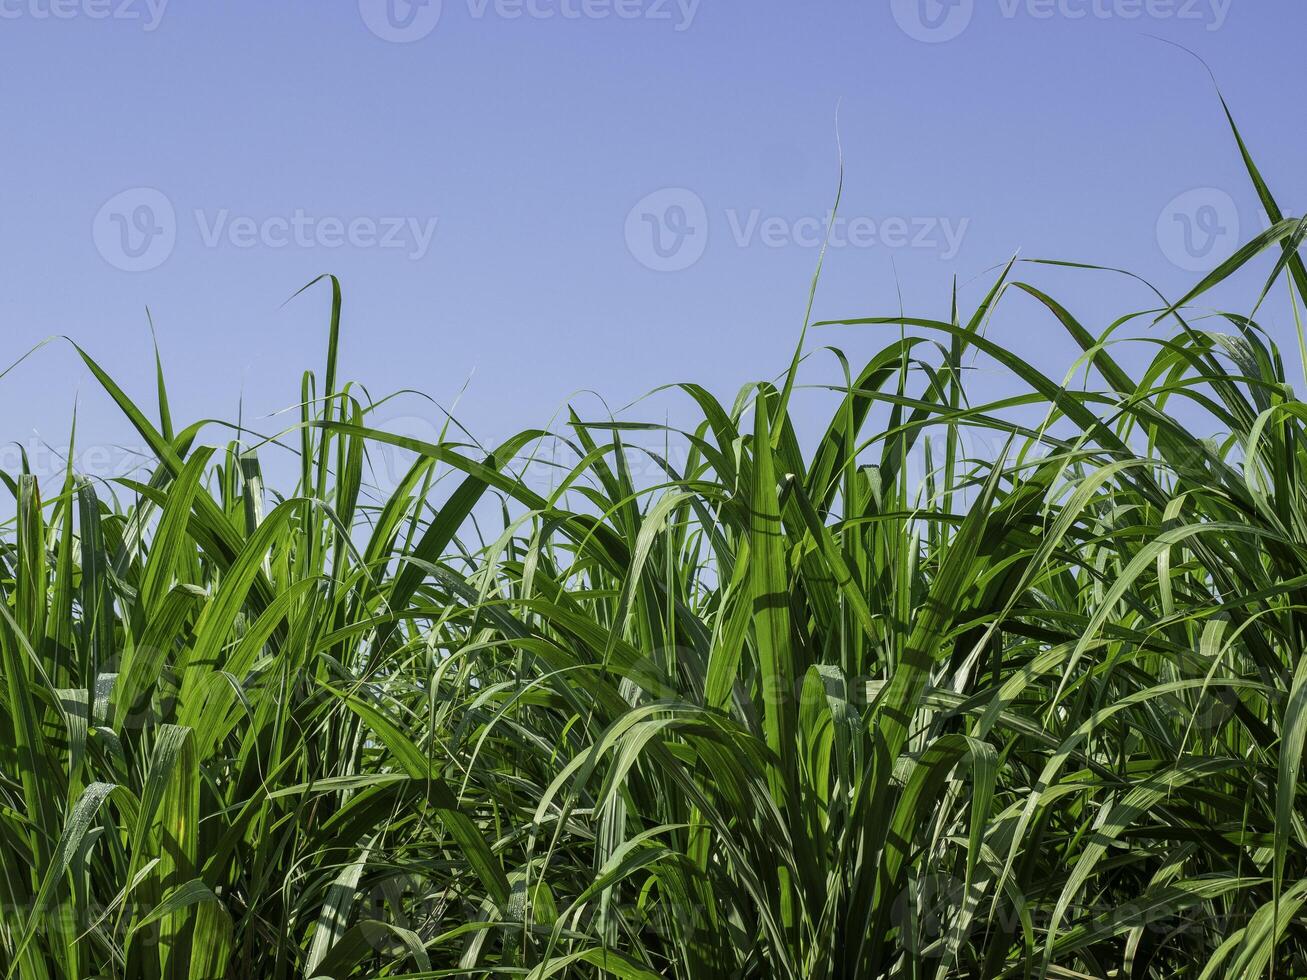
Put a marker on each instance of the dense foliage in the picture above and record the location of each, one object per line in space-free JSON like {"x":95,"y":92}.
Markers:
{"x":883,"y":708}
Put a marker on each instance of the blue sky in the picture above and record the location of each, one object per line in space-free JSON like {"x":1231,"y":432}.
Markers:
{"x":531,"y":198}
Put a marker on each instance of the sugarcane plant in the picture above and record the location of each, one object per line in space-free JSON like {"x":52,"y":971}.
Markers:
{"x":960,"y":688}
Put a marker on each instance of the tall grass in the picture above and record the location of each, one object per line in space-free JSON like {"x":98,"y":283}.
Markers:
{"x":885,"y":708}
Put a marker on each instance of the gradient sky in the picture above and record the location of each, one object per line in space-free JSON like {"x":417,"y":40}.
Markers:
{"x":545,"y":196}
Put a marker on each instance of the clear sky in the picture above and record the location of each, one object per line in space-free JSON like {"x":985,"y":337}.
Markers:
{"x":544,"y":196}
